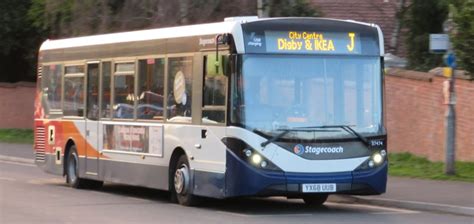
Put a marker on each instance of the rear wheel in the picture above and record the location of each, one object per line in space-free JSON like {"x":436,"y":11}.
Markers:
{"x":315,"y":200}
{"x":182,"y":183}
{"x":72,"y":172}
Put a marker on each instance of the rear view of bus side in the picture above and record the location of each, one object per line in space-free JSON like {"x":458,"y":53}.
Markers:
{"x":246,"y":107}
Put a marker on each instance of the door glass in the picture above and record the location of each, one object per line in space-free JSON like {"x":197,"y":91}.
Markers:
{"x":106,"y":92}
{"x":93,"y":91}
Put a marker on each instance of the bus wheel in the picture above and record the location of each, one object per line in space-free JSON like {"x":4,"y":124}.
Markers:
{"x":72,"y":170}
{"x":315,"y":200}
{"x":182,"y":183}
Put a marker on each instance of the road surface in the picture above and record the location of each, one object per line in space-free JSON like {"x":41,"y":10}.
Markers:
{"x":28,"y":195}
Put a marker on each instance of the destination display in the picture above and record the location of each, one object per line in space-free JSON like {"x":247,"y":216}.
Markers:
{"x":309,"y":42}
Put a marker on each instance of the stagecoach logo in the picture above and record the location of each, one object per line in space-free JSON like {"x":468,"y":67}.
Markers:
{"x":300,"y":150}
{"x":254,"y":40}
{"x":204,"y":42}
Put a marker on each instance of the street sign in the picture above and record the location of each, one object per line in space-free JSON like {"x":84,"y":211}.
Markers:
{"x":450,"y":60}
{"x":439,"y":43}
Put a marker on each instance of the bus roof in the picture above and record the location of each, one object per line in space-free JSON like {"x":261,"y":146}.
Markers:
{"x":229,"y":25}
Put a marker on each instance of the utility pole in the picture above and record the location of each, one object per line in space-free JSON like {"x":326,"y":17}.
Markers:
{"x":450,"y":143}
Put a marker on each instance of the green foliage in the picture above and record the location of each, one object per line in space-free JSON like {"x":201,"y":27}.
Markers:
{"x":16,"y":135}
{"x":19,"y":42}
{"x":299,"y":8}
{"x":463,"y":37}
{"x":408,"y":165}
{"x":422,"y":18}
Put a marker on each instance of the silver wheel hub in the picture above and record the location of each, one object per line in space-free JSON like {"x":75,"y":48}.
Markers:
{"x":181,"y":179}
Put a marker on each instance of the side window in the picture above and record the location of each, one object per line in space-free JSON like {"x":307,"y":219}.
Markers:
{"x":124,"y":90}
{"x":74,"y":91}
{"x":106,"y":90}
{"x":151,"y":75}
{"x":51,"y":85}
{"x":215,"y":90}
{"x":179,"y":89}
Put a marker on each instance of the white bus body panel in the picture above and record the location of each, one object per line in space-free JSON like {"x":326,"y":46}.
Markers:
{"x":290,"y":162}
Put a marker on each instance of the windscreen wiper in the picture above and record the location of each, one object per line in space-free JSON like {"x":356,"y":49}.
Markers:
{"x":274,"y":138}
{"x":345,"y":128}
{"x":286,"y":131}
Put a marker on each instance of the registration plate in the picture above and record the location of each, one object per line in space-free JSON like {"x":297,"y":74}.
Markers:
{"x":318,"y":188}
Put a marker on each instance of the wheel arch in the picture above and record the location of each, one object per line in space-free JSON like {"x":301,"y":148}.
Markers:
{"x":70,"y":142}
{"x":177,"y":152}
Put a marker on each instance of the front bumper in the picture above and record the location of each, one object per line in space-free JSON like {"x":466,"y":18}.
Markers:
{"x":242,"y":179}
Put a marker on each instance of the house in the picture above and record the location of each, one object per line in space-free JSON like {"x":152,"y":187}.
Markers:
{"x":380,"y":12}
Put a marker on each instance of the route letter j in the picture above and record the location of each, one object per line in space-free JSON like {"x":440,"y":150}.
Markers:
{"x":350,"y":46}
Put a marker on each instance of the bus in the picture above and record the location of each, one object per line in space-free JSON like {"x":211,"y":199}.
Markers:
{"x":245,"y":107}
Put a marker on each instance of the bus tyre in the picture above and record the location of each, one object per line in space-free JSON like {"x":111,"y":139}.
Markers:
{"x":315,"y":200}
{"x":181,"y":187}
{"x":72,"y":170}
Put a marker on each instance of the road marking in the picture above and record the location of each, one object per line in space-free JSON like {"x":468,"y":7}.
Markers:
{"x":7,"y":179}
{"x":17,"y":163}
{"x":17,"y":159}
{"x":425,"y":203}
{"x":331,"y":206}
{"x":387,"y":210}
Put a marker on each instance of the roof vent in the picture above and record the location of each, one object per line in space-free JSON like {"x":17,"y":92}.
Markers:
{"x":241,"y":19}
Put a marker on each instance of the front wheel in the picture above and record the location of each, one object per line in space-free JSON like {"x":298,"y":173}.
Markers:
{"x":182,"y":183}
{"x":315,"y":200}
{"x":72,"y":170}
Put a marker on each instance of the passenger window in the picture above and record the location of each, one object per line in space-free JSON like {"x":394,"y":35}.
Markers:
{"x":151,"y":76}
{"x":215,"y":90}
{"x":74,"y":91}
{"x":180,"y":89}
{"x":124,"y":86}
{"x":51,"y":87}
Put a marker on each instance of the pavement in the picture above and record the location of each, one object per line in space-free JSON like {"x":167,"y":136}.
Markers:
{"x":452,"y":197}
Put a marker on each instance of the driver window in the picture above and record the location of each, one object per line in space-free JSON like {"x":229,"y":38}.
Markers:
{"x":214,"y":90}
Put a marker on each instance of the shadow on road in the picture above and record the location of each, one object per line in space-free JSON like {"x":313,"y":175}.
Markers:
{"x":242,"y":206}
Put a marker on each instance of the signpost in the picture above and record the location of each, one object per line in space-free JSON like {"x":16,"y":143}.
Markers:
{"x":450,"y":60}
{"x":439,"y":43}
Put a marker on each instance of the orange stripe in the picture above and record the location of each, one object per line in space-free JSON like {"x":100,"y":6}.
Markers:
{"x":70,"y":131}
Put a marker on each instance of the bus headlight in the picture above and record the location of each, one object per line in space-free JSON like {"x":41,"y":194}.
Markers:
{"x":377,"y":158}
{"x":371,"y":164}
{"x":246,"y":153}
{"x":256,"y":159}
{"x":383,"y":153}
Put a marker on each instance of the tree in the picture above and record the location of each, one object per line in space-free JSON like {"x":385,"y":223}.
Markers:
{"x":422,"y":18}
{"x":463,"y":37}
{"x":300,"y":8}
{"x":19,"y":42}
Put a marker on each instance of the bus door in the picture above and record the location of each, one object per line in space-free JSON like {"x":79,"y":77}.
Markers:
{"x":92,"y":117}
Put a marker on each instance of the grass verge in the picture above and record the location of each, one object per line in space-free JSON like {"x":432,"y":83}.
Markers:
{"x":16,"y":136}
{"x":408,"y":165}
